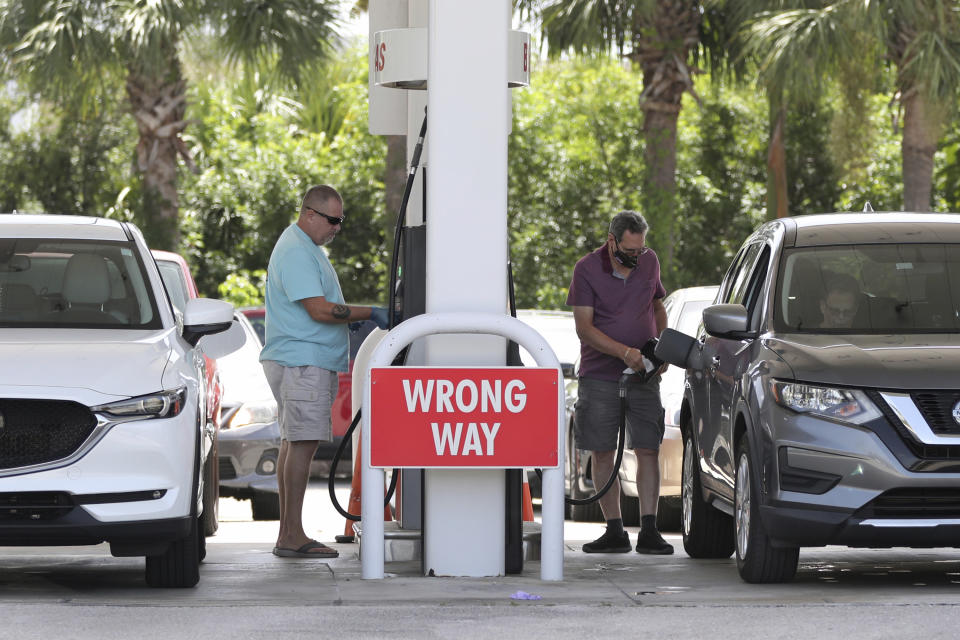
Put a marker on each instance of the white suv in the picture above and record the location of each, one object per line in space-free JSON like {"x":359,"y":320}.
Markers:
{"x":103,"y":426}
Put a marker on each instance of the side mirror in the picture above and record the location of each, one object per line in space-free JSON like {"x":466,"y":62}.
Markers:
{"x":727,"y":321}
{"x":203,"y":317}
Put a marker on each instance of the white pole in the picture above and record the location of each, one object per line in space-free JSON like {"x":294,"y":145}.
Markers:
{"x":551,"y":543}
{"x":371,"y":492}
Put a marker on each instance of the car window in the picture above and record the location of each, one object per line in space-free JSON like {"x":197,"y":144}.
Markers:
{"x":741,"y":278}
{"x":758,"y":279}
{"x":176,"y":284}
{"x":880,"y":288}
{"x":729,"y":277}
{"x":691,"y":316}
{"x":47,"y":283}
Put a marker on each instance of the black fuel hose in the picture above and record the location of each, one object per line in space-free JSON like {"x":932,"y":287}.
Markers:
{"x":398,"y":230}
{"x":620,"y":444}
{"x":391,"y":310}
{"x":333,"y":468}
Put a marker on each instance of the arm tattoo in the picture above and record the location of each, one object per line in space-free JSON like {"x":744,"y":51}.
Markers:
{"x":340,"y":311}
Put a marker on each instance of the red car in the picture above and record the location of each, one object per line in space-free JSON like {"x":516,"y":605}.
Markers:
{"x":181,"y":287}
{"x":342,"y":412}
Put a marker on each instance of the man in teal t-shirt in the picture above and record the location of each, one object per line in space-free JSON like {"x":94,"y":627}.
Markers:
{"x":306,"y":345}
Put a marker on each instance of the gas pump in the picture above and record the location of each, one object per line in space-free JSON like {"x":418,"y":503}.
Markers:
{"x":466,"y":57}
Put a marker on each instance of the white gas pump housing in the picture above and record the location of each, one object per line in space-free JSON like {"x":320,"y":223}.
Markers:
{"x":466,"y":57}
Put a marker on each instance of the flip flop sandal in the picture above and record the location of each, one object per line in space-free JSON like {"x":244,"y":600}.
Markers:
{"x":311,"y":549}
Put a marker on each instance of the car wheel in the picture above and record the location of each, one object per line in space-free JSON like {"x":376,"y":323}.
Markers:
{"x":707,"y":532}
{"x":180,"y":566}
{"x":202,"y":547}
{"x":757,"y":559}
{"x":580,"y":512}
{"x":668,"y":513}
{"x":265,"y":505}
{"x":210,"y":521}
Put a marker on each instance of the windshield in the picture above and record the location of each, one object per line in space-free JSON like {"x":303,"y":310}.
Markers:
{"x":878,"y":288}
{"x":99,"y":284}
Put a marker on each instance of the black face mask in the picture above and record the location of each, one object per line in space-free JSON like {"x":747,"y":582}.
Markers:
{"x":625,"y":259}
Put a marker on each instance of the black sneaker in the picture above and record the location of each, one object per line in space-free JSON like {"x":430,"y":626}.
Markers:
{"x":609,"y":543}
{"x":650,"y":541}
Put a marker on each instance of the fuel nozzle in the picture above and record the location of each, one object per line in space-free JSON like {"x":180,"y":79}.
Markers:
{"x":651,"y":363}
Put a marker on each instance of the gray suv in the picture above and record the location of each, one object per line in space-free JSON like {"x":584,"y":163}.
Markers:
{"x":822,"y":400}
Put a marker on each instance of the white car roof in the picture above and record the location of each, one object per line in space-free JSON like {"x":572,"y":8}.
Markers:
{"x":17,"y":225}
{"x":557,"y":328}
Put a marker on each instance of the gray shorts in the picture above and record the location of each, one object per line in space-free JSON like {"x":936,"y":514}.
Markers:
{"x":596,"y":418}
{"x":305,"y":397}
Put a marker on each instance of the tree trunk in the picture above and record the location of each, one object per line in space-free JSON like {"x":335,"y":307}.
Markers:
{"x":921,"y":130}
{"x":662,"y":41}
{"x":777,"y":162}
{"x":158,"y":105}
{"x":660,"y":154}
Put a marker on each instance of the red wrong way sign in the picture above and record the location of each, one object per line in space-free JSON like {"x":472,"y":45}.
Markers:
{"x":464,"y":417}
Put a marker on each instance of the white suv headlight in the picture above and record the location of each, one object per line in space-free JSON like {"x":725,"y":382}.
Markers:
{"x":847,"y":405}
{"x":254,"y":413}
{"x":163,"y":404}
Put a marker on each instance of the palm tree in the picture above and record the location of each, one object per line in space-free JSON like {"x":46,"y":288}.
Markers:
{"x":659,"y":38}
{"x":920,"y":38}
{"x":75,"y":51}
{"x":795,"y":80}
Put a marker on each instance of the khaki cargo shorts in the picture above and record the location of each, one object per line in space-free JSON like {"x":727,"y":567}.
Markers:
{"x":305,"y":398}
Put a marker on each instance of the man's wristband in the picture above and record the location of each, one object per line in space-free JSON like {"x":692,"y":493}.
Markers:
{"x":626,"y":352}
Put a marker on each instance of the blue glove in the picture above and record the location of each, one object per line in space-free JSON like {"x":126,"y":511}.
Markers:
{"x":380,"y":316}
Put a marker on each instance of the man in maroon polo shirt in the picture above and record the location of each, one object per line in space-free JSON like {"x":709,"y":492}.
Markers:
{"x":617,"y":301}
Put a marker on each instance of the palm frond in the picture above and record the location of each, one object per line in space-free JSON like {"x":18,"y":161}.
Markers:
{"x":296,"y":32}
{"x":795,"y":48}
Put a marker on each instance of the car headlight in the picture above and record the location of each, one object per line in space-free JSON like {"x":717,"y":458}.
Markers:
{"x":163,"y":404}
{"x":847,"y":405}
{"x":253,"y":413}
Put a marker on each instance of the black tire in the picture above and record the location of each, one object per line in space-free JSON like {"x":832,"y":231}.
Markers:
{"x":265,"y":505}
{"x":758,"y":561}
{"x":629,"y":509}
{"x":581,"y":512}
{"x":210,"y":519}
{"x":202,"y":547}
{"x":707,"y":532}
{"x":179,"y":567}
{"x":668,"y":513}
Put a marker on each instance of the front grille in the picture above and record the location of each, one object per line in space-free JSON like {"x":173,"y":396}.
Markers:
{"x":929,"y":457}
{"x":35,"y":505}
{"x":937,"y":410}
{"x":40,"y":431}
{"x":227,"y":470}
{"x":914,"y":503}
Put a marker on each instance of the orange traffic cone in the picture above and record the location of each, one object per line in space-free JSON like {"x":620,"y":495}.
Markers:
{"x":353,"y":504}
{"x":527,"y":508}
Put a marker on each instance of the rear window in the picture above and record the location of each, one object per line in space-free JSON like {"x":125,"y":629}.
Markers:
{"x":74,"y":284}
{"x":876,"y":288}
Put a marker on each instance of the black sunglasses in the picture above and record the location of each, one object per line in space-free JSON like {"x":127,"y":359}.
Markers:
{"x":330,"y":219}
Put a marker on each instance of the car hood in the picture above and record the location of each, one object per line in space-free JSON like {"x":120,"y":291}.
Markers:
{"x":917,"y":361}
{"x":111,"y":362}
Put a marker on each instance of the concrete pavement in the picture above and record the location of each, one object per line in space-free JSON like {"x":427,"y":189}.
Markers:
{"x":245,"y":591}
